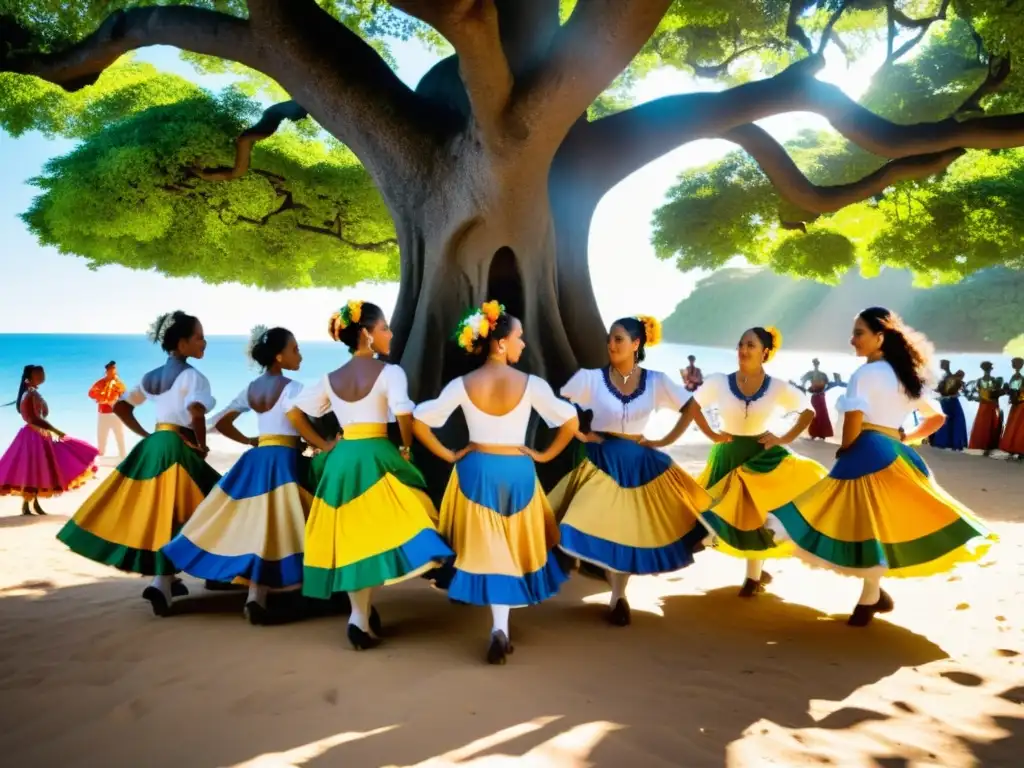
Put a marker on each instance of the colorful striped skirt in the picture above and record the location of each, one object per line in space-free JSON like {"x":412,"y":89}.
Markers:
{"x":39,"y":465}
{"x":629,"y":508}
{"x":140,"y":507}
{"x":371,"y":522}
{"x":880,"y":509}
{"x":747,"y":481}
{"x":497,"y":519}
{"x":252,"y":526}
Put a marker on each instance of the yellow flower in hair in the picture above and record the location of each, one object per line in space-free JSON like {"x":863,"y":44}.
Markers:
{"x":652,"y":329}
{"x":466,"y":338}
{"x":492,"y":311}
{"x":355,"y":310}
{"x":776,"y":335}
{"x":485,"y":327}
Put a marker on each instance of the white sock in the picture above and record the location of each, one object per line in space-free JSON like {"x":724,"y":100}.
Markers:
{"x":360,"y":615}
{"x":618,"y":583}
{"x":871,"y":592}
{"x":499,"y":619}
{"x":257,"y":594}
{"x":163,"y":583}
{"x":754,"y":569}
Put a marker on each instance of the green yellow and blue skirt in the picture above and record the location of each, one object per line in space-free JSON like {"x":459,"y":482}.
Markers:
{"x":880,"y":510}
{"x":746,"y":481}
{"x":497,"y":519}
{"x":253,"y":524}
{"x":142,"y":504}
{"x":371,"y":522}
{"x":629,"y":508}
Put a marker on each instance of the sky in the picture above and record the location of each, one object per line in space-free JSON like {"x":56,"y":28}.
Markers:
{"x":46,"y":292}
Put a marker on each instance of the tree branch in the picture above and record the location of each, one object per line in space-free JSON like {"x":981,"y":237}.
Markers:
{"x":608,"y":150}
{"x":471,"y":26}
{"x":794,"y":187}
{"x":270,"y":122}
{"x":191,"y":29}
{"x":527,"y":29}
{"x":587,"y":53}
{"x":826,"y":34}
{"x":999,"y":68}
{"x":717,"y":70}
{"x":895,"y":17}
{"x":793,"y":29}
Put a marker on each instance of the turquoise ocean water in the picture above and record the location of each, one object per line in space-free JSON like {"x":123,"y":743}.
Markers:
{"x":74,"y":362}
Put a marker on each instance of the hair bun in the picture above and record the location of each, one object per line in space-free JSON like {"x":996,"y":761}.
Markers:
{"x":776,"y":335}
{"x":344,"y":317}
{"x":478,"y":324}
{"x":652,"y":329}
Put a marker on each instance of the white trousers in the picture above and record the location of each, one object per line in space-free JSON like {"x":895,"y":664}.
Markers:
{"x":108,"y":423}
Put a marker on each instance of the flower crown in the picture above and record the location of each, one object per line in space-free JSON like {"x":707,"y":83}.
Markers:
{"x":652,"y":329}
{"x":776,"y":335}
{"x":344,"y":317}
{"x":478,"y":324}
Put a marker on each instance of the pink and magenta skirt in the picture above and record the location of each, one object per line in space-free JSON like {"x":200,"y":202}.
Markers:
{"x":37,"y":464}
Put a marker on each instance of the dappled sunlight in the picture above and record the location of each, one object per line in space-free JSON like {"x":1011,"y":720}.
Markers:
{"x":570,"y":748}
{"x":294,"y":758}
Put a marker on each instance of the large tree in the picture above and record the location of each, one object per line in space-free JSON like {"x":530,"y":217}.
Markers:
{"x":491,"y":169}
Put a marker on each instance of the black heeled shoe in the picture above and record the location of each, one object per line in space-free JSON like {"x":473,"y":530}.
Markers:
{"x":256,"y":613}
{"x":375,"y":623}
{"x":361,"y":641}
{"x":178,"y":588}
{"x":25,"y":510}
{"x":751,"y":587}
{"x":620,"y":614}
{"x":37,"y":509}
{"x":157,"y":600}
{"x":500,"y":648}
{"x":863,"y":614}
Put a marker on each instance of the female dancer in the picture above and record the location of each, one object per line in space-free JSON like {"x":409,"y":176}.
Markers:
{"x":42,"y":460}
{"x":816,"y":382}
{"x":155,"y":490}
{"x":880,"y":511}
{"x":1013,"y":436}
{"x":252,"y":525}
{"x":372,"y":522}
{"x":494,"y":512}
{"x":749,"y":469}
{"x":953,"y":433}
{"x":627,"y":507}
{"x":988,"y":422}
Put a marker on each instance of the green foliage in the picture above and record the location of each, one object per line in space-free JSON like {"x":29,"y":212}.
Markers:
{"x":128,"y":195}
{"x":982,"y":313}
{"x":942,"y":229}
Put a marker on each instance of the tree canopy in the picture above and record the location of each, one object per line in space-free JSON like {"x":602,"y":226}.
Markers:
{"x":960,"y":220}
{"x":172,"y":177}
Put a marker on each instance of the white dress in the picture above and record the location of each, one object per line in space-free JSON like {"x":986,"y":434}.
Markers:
{"x":252,"y":525}
{"x":627,"y":507}
{"x":494,"y":513}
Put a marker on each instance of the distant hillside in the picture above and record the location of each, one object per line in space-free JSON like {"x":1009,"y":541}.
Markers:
{"x":981,"y":314}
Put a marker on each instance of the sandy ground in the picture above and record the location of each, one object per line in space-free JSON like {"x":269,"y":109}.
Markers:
{"x":89,"y":677}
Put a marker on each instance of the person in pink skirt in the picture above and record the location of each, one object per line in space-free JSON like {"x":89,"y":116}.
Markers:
{"x":42,"y":461}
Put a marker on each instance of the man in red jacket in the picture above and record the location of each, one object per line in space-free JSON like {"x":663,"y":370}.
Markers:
{"x":106,"y":392}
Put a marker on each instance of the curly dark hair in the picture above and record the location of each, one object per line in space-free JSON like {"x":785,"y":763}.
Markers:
{"x":906,"y":350}
{"x":172,"y":328}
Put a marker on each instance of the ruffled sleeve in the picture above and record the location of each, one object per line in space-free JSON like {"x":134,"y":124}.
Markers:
{"x":313,"y":400}
{"x":553,"y":410}
{"x":709,"y":393}
{"x":397,"y":391}
{"x":668,"y":394}
{"x":856,"y":396}
{"x":579,"y":389}
{"x":195,"y":390}
{"x":135,"y":396}
{"x":434,"y":413}
{"x":792,"y":399}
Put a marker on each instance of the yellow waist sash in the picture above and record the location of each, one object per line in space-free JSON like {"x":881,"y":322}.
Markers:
{"x":888,"y":431}
{"x":364,"y":431}
{"x":279,"y":441}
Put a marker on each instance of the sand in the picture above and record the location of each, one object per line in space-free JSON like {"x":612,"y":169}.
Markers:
{"x":89,"y":677}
